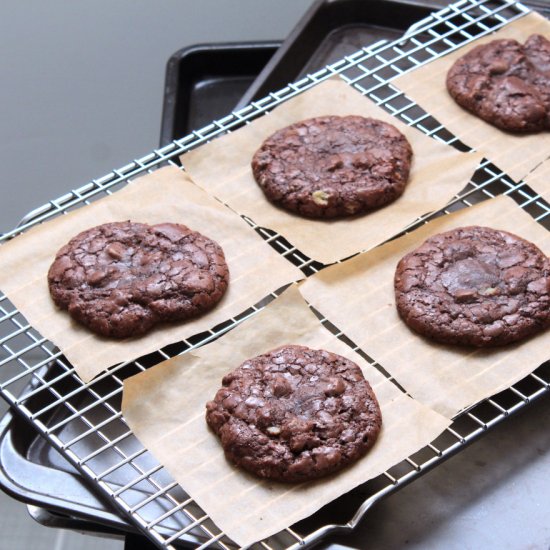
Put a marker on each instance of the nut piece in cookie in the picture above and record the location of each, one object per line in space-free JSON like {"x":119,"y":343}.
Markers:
{"x":332,"y":166}
{"x":474,"y":286}
{"x":295,"y":414}
{"x":120,"y":279}
{"x":505,"y":83}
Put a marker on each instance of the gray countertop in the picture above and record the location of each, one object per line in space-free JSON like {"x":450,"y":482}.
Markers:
{"x":81,"y":94}
{"x":83,"y":82}
{"x":492,"y":495}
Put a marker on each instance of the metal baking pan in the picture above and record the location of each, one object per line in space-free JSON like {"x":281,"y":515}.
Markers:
{"x":32,"y":472}
{"x":333,"y":29}
{"x":83,"y":421}
{"x":206,"y":81}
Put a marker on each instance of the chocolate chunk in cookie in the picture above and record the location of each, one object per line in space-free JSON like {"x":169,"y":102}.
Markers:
{"x":333,"y":166}
{"x":295,"y":414}
{"x":474,"y":286}
{"x":505,"y":83}
{"x":120,"y":279}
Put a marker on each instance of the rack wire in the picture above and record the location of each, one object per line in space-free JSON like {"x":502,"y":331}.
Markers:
{"x":84,"y":422}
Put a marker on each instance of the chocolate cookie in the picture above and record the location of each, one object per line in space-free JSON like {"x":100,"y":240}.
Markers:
{"x":505,"y":83}
{"x":120,"y":279}
{"x":333,"y":166}
{"x":295,"y":414}
{"x":474,"y":286}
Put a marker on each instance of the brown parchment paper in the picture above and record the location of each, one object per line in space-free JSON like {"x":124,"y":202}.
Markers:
{"x":358,"y":297}
{"x":222,"y":167}
{"x":539,"y":179}
{"x":166,"y":195}
{"x":165,"y":408}
{"x":515,"y":154}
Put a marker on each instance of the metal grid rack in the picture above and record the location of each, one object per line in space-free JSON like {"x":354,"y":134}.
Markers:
{"x":84,"y":422}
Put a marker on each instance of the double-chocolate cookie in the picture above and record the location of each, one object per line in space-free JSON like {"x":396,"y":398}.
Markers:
{"x":120,"y":279}
{"x":295,"y":414}
{"x":333,"y":166}
{"x":474,"y":286}
{"x":505,"y":83}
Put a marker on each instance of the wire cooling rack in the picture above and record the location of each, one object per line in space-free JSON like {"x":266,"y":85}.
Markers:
{"x":83,"y":421}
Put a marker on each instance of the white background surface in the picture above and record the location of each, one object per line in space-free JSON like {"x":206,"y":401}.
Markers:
{"x":81,"y":94}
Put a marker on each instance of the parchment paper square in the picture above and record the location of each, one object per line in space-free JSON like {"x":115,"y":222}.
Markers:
{"x":358,"y":297}
{"x":166,"y":195}
{"x":515,"y":154}
{"x":539,"y":180}
{"x":222,"y":167}
{"x":165,"y":408}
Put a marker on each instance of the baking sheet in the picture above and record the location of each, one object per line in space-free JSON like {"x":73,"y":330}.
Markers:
{"x":165,"y":408}
{"x":515,"y":154}
{"x":166,"y":195}
{"x":358,"y":297}
{"x":222,"y":167}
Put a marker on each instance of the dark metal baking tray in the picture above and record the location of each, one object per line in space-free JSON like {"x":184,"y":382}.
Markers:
{"x":33,"y":472}
{"x":333,"y":29}
{"x":206,"y":81}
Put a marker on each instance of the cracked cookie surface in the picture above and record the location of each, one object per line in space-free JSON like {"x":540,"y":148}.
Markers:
{"x":328,"y":167}
{"x":474,"y":286}
{"x":505,"y":83}
{"x":295,"y":414}
{"x":120,"y":279}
